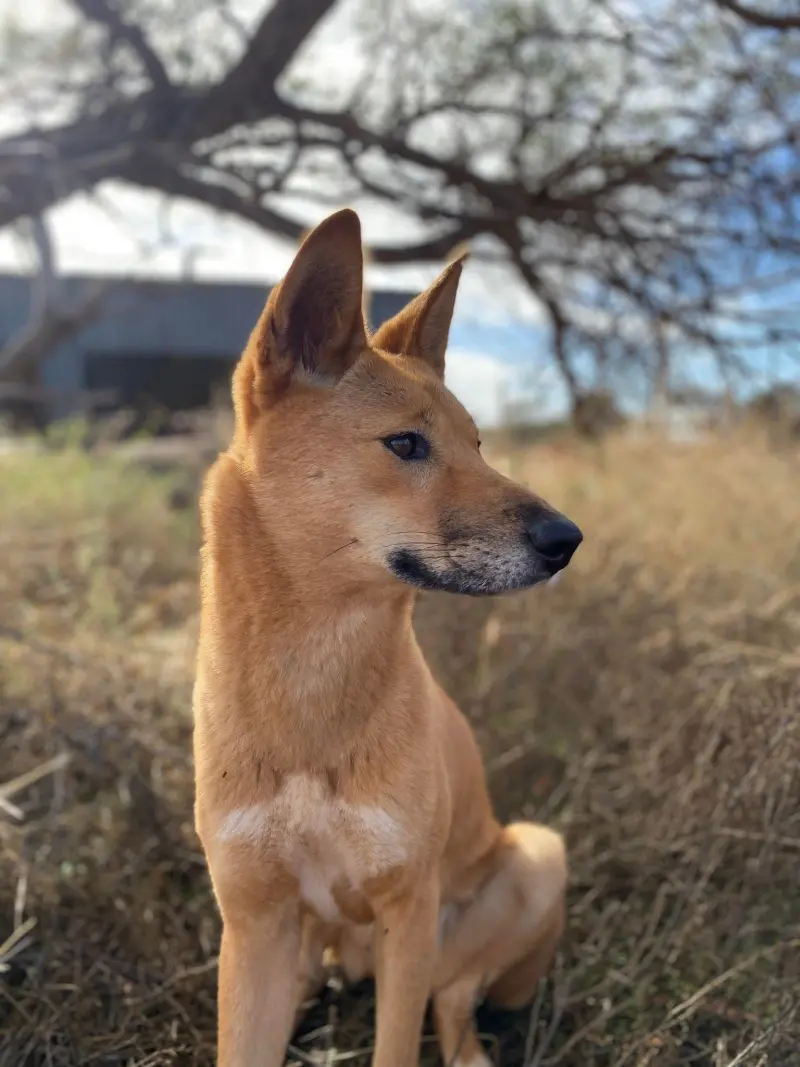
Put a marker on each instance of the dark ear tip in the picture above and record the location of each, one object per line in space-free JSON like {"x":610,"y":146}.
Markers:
{"x":345,"y":213}
{"x":341,"y":232}
{"x":345,"y":222}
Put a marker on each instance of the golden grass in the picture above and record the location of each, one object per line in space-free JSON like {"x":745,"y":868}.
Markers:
{"x":647,"y":706}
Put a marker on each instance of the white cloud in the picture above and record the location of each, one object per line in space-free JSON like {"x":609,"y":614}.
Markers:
{"x":479,"y":381}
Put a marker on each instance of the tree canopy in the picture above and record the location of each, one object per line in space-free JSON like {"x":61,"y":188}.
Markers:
{"x":629,"y":169}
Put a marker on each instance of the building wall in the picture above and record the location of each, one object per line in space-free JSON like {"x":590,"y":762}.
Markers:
{"x":145,"y":320}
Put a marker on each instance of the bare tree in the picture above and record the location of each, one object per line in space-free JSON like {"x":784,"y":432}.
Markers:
{"x":770,"y":18}
{"x":53,"y":319}
{"x":633,"y":173}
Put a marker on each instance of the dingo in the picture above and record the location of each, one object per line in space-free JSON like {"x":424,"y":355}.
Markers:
{"x":341,"y":799}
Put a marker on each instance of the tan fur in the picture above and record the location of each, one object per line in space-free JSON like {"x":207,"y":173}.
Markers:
{"x":341,"y":799}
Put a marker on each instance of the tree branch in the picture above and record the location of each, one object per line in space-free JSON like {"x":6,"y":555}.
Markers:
{"x":248,"y":89}
{"x":155,"y":173}
{"x":768,"y":20}
{"x":106,"y":15}
{"x":50,"y":322}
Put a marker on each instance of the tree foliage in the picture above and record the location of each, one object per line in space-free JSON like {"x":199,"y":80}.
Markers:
{"x":631,"y":170}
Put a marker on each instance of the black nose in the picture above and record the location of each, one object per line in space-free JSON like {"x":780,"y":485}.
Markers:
{"x":555,"y":540}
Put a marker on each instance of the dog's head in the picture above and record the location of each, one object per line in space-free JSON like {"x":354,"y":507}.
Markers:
{"x":361,"y":460}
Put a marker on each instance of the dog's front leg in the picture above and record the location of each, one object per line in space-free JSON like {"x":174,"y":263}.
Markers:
{"x":405,"y":934}
{"x":258,"y":984}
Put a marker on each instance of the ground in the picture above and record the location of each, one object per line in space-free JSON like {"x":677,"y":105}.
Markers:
{"x":647,"y":706}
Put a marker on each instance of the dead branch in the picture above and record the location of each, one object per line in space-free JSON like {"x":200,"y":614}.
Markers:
{"x":51,"y":321}
{"x":120,"y":31}
{"x":771,"y":20}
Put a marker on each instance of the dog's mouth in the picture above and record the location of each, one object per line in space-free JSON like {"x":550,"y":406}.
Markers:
{"x":476,"y":571}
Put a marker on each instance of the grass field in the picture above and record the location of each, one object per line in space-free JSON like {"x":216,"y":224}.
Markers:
{"x":647,"y":706}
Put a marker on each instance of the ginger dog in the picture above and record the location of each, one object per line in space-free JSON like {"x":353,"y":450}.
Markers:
{"x":341,"y":799}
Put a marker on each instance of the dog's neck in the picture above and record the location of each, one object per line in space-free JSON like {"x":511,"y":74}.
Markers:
{"x":315,"y":655}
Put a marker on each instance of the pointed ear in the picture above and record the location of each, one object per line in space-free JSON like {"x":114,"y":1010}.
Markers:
{"x":422,"y":327}
{"x":313,"y":320}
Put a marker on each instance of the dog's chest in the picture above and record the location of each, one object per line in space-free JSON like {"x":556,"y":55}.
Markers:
{"x":331,"y":846}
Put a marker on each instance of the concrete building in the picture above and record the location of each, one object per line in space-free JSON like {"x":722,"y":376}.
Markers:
{"x":152,"y":342}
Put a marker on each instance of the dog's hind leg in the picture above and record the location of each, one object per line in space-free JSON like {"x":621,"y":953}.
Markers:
{"x":502,"y":941}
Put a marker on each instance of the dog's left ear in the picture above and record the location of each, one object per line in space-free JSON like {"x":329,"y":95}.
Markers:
{"x":421,"y":329}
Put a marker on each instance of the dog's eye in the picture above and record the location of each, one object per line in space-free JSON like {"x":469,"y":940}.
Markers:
{"x":408,"y":446}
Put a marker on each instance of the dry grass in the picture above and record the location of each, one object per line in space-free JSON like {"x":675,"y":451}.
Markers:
{"x":647,"y":706}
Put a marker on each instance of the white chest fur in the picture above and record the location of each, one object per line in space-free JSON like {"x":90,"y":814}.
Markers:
{"x":323,"y":840}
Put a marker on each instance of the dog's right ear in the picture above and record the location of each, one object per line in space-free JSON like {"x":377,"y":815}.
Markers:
{"x":313,"y":321}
